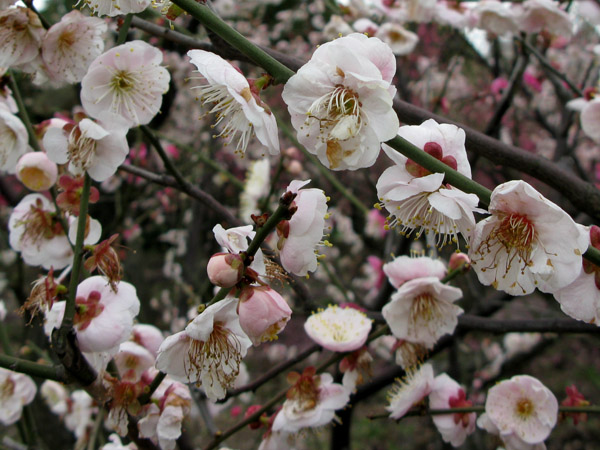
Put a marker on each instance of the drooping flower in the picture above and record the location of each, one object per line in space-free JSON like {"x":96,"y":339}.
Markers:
{"x":236,"y":105}
{"x":422,"y":310}
{"x":522,"y":411}
{"x":517,"y":249}
{"x":299,"y":236}
{"x":338,"y":329}
{"x":21,"y":34}
{"x":405,"y":268}
{"x":103,"y":317}
{"x":447,"y":393}
{"x":16,"y":391}
{"x":341,"y":101}
{"x":112,"y":8}
{"x":418,"y":199}
{"x":311,"y":401}
{"x":410,"y":391}
{"x":36,"y":171}
{"x":545,"y":15}
{"x":127,"y":81}
{"x":263,"y":313}
{"x":13,"y":139}
{"x":88,"y":147}
{"x":209,"y":351}
{"x":70,"y":46}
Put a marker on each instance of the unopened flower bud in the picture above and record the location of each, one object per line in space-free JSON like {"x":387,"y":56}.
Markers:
{"x":225,"y":269}
{"x":36,"y":171}
{"x":459,"y":261}
{"x":263,"y":313}
{"x":249,"y":412}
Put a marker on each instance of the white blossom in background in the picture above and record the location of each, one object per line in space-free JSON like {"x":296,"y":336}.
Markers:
{"x":89,"y":146}
{"x":405,"y":268}
{"x":127,"y":81}
{"x":496,"y":17}
{"x":16,"y":391}
{"x":21,"y":34}
{"x":148,"y":336}
{"x":70,"y":46}
{"x":589,"y":107}
{"x":56,"y":396}
{"x":544,"y":15}
{"x":522,"y":411}
{"x":527,"y":242}
{"x":410,"y":391}
{"x":78,"y":418}
{"x":112,"y":8}
{"x":341,"y":101}
{"x":338,"y":329}
{"x":209,"y":351}
{"x":400,"y":40}
{"x":299,"y":237}
{"x":133,"y":360}
{"x":116,"y":444}
{"x":422,"y":310}
{"x":418,"y":199}
{"x":258,"y":179}
{"x":234,"y":102}
{"x":13,"y":139}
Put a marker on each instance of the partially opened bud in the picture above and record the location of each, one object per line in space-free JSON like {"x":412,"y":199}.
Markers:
{"x":36,"y":171}
{"x":225,"y":269}
{"x":459,"y":261}
{"x":263,"y":313}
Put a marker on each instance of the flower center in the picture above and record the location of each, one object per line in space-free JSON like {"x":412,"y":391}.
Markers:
{"x":460,"y":401}
{"x":524,"y":408}
{"x":7,"y":389}
{"x":338,"y":113}
{"x":305,"y":392}
{"x":39,"y":224}
{"x":122,"y":81}
{"x":87,"y":310}
{"x":517,"y":232}
{"x":66,"y":39}
{"x":81,"y":149}
{"x":424,"y":308}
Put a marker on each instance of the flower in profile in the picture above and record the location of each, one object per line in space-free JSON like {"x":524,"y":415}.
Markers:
{"x":112,"y":8}
{"x":209,"y":351}
{"x":517,"y":249}
{"x":495,"y":17}
{"x":21,"y":34}
{"x":13,"y":139}
{"x":400,"y":40}
{"x":36,"y":171}
{"x":422,"y":310}
{"x":410,"y":391}
{"x":105,"y":259}
{"x":132,"y":361}
{"x":338,"y":329}
{"x":589,"y":106}
{"x":235,"y":240}
{"x":341,"y":101}
{"x":16,"y":391}
{"x":418,"y":199}
{"x":522,"y":411}
{"x":545,"y":15}
{"x":299,"y":236}
{"x":447,"y":393}
{"x":235,"y":103}
{"x":405,"y":268}
{"x":263,"y":313}
{"x":127,"y":81}
{"x":311,"y":401}
{"x":70,"y":46}
{"x":88,"y":147}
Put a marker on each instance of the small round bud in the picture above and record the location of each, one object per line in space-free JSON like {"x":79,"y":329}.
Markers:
{"x":459,"y":261}
{"x":225,"y":269}
{"x":36,"y":171}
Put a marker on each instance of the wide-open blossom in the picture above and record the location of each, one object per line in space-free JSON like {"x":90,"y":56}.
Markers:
{"x":410,"y":391}
{"x":522,"y":411}
{"x":21,"y":34}
{"x":545,"y":15}
{"x":527,"y":242}
{"x":89,"y":147}
{"x":299,"y":236}
{"x":70,"y":46}
{"x":36,"y":171}
{"x":127,"y":81}
{"x":13,"y":139}
{"x":114,"y":8}
{"x":581,"y":298}
{"x":103,"y":318}
{"x":311,"y":401}
{"x":16,"y":391}
{"x":338,"y":329}
{"x":447,"y":393}
{"x":209,"y":351}
{"x":418,"y":199}
{"x":422,"y":310}
{"x":236,"y":105}
{"x":263,"y":313}
{"x":133,"y":360}
{"x":405,"y":268}
{"x":341,"y":101}
{"x":400,"y":40}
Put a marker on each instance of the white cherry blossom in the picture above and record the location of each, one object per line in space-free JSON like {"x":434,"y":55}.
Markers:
{"x":13,"y":139}
{"x":338,"y":329}
{"x":112,"y":8}
{"x":410,"y":391}
{"x":21,"y":34}
{"x":16,"y":391}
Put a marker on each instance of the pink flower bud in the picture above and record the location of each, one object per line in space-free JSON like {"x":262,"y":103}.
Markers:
{"x":459,"y":261}
{"x":36,"y":171}
{"x":225,"y":269}
{"x":263,"y":313}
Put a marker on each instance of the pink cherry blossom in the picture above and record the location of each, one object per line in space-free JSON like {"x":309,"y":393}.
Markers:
{"x":148,"y":336}
{"x":16,"y":391}
{"x":538,"y":15}
{"x":241,"y":111}
{"x":517,"y":249}
{"x":496,"y":17}
{"x":21,"y":35}
{"x":410,"y":391}
{"x":422,"y":310}
{"x":36,"y":171}
{"x":299,"y":236}
{"x":225,"y":269}
{"x":209,"y":351}
{"x":338,"y":329}
{"x":263,"y":313}
{"x":406,"y":268}
{"x":127,"y":81}
{"x":341,"y":101}
{"x":133,"y":360}
{"x":235,"y":240}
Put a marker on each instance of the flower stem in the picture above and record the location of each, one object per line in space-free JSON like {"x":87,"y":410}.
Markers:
{"x":145,"y":397}
{"x":47,"y":372}
{"x":124,"y":29}
{"x":23,"y":112}
{"x":211,"y":21}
